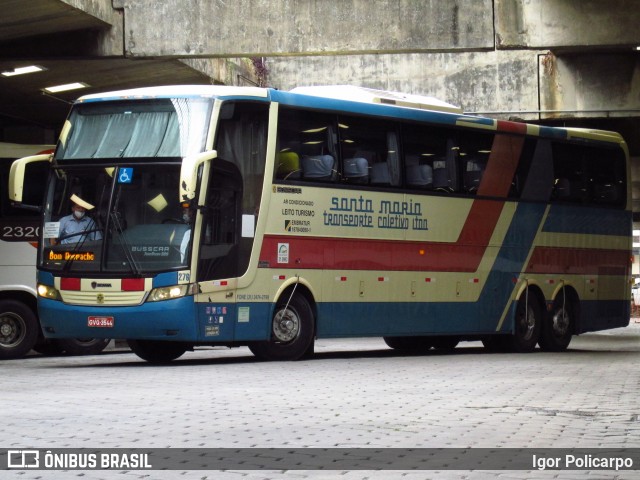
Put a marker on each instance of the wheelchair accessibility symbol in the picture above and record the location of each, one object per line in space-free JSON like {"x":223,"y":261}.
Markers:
{"x":125,"y":175}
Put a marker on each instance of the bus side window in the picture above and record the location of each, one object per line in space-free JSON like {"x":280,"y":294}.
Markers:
{"x":588,"y":175}
{"x":366,"y":147}
{"x":472,"y":174}
{"x":306,"y":149}
{"x":473,"y":157}
{"x":569,"y":170}
{"x":288,"y":165}
{"x":445,"y":168}
{"x":425,"y":164}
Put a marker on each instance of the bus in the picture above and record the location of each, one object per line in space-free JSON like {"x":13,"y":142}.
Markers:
{"x":19,"y":325}
{"x":242,"y":216}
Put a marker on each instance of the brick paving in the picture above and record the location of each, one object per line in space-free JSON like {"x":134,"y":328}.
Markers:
{"x":355,"y":393}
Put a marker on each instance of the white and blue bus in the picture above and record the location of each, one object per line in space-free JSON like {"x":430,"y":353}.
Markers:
{"x":247,"y":216}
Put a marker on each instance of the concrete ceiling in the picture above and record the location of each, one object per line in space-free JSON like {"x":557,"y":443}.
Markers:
{"x":60,"y":38}
{"x":22,"y":100}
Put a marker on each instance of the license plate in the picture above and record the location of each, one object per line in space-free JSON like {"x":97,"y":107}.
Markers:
{"x":100,"y":322}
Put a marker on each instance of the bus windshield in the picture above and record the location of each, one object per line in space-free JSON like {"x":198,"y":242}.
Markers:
{"x":170,"y":127}
{"x":116,"y":219}
{"x":112,"y":201}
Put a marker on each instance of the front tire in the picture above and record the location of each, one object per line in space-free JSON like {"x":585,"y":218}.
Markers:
{"x":157,"y":351}
{"x":83,"y":346}
{"x":19,"y":329}
{"x":292,"y":332}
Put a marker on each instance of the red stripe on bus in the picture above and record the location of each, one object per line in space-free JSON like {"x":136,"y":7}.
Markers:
{"x":132,"y":284}
{"x":512,"y":127}
{"x":578,"y":261}
{"x":357,"y":254}
{"x":69,"y":284}
{"x":502,"y":164}
{"x":464,"y":255}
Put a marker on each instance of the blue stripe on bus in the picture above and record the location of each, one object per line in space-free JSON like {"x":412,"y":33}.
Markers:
{"x":168,"y":320}
{"x":46,"y":278}
{"x":377,"y":109}
{"x":580,"y":220}
{"x":552,"y":132}
{"x":510,"y":261}
{"x":165,"y":279}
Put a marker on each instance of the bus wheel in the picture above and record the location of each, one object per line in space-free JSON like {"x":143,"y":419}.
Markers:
{"x":83,"y":346}
{"x":18,"y":329}
{"x":409,"y":343}
{"x":527,"y":325}
{"x":291,"y":332}
{"x":156,"y":351}
{"x":557,"y":330}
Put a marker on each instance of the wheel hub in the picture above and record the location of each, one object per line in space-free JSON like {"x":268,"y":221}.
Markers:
{"x":5,"y":329}
{"x":12,"y":330}
{"x":561,"y":322}
{"x":286,"y":326}
{"x":528,"y":323}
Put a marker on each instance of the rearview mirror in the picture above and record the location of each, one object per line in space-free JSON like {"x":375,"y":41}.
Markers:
{"x":189,"y":174}
{"x":28,"y":175}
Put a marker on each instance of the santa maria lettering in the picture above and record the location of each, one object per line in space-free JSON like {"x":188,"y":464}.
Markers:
{"x":360,"y":212}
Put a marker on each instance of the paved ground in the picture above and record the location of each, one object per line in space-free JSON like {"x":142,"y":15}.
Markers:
{"x":353,"y":394}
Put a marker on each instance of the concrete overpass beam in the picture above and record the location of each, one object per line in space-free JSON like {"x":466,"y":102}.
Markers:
{"x":493,"y":81}
{"x":182,"y":28}
{"x":556,"y":24}
{"x":590,"y":85}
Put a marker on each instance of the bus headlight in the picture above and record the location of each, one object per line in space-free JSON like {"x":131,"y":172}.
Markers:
{"x":169,"y":293}
{"x":46,"y":291}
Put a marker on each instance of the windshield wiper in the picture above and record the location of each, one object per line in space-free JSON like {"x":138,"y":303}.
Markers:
{"x":83,"y":234}
{"x":126,"y":247}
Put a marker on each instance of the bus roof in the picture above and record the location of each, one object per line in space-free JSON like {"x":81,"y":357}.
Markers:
{"x":369,"y":95}
{"x":175,"y":91}
{"x":346,"y":97}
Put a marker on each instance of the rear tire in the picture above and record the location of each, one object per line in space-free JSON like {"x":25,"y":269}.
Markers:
{"x":292,"y":332}
{"x":557,"y":329}
{"x":157,"y":351}
{"x":527,"y":326}
{"x":19,"y":329}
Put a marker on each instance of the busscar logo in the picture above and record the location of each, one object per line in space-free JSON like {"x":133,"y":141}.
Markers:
{"x":23,"y":459}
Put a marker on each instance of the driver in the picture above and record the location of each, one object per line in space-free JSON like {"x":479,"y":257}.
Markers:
{"x":72,"y":226}
{"x":187,"y":216}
